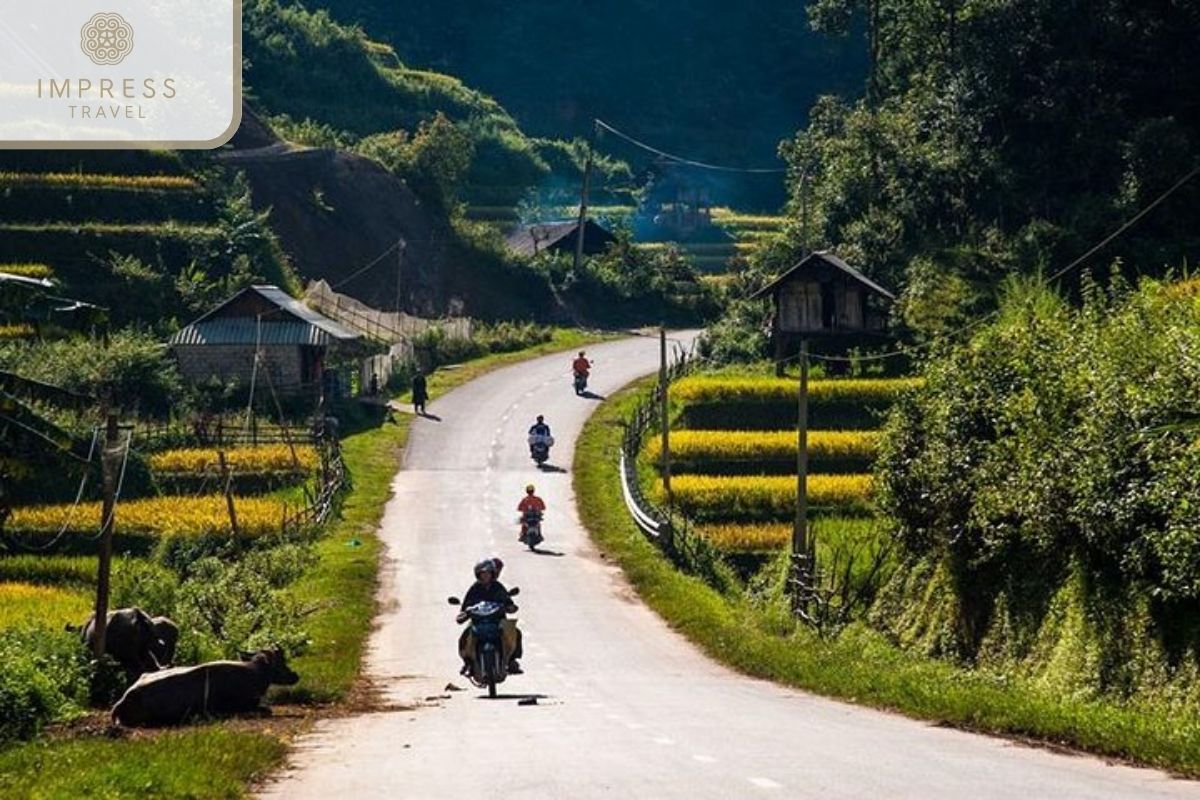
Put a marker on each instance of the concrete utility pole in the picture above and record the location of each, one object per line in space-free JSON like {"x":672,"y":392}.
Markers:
{"x":108,"y":487}
{"x":800,"y":543}
{"x":583,"y":203}
{"x":663,"y":385}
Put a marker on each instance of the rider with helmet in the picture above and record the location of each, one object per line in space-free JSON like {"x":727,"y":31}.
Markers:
{"x":488,"y":589}
{"x":531,"y":508}
{"x":540,"y":428}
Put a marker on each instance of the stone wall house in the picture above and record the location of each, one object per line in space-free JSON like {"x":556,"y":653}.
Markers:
{"x":294,"y":342}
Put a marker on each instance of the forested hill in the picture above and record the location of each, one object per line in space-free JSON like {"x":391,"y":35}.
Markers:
{"x":722,"y":81}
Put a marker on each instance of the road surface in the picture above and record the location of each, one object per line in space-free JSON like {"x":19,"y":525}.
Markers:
{"x":626,"y":708}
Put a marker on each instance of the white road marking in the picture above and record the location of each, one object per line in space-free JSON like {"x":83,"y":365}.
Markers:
{"x":704,"y":759}
{"x":634,"y":726}
{"x":663,"y":740}
{"x":765,"y":783}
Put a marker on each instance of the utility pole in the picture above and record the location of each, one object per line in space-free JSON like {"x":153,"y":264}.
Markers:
{"x":583,"y":202}
{"x":663,"y":384}
{"x":108,"y":487}
{"x":800,"y":543}
{"x":227,"y":480}
{"x":400,"y":245}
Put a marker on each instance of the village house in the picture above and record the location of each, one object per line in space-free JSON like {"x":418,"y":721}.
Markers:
{"x":559,"y":237}
{"x":296,"y":342}
{"x":822,"y":297}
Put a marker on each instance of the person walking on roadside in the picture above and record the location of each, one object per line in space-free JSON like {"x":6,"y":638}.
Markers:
{"x":420,"y":393}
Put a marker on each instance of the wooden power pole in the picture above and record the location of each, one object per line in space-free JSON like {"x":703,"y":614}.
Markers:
{"x":107,"y":505}
{"x":664,"y":414}
{"x":583,"y":204}
{"x":800,"y":544}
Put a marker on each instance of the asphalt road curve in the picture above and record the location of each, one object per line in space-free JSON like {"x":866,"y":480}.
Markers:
{"x":625,"y":707}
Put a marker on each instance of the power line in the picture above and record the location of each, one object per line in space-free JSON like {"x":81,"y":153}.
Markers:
{"x":1129,"y":223}
{"x":688,"y":161}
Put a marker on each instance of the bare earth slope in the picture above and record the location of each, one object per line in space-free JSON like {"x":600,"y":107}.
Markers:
{"x":626,"y":708}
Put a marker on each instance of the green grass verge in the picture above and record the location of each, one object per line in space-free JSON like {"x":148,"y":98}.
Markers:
{"x":342,"y":584}
{"x":859,"y":665}
{"x":209,"y":762}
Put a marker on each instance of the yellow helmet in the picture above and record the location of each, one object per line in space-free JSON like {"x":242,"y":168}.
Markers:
{"x":530,"y":489}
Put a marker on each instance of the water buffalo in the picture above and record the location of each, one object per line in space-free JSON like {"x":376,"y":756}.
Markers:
{"x":175,"y":695}
{"x":139,"y":643}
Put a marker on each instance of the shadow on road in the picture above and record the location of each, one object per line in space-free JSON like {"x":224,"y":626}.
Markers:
{"x":590,"y":395}
{"x":542,"y":552}
{"x":550,"y":468}
{"x":427,"y":415}
{"x":513,"y":696}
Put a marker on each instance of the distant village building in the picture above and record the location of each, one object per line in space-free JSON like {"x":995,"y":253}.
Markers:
{"x":678,"y":205}
{"x":296,"y":342}
{"x":823,"y":296}
{"x":559,"y":237}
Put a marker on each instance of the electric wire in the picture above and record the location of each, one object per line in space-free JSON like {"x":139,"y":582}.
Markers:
{"x":688,"y":161}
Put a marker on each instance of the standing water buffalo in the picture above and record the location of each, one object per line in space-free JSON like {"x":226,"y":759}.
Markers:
{"x":139,"y":643}
{"x":218,"y":687}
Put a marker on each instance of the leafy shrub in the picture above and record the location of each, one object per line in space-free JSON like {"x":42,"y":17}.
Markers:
{"x":223,"y":608}
{"x":45,"y":677}
{"x":1056,"y":440}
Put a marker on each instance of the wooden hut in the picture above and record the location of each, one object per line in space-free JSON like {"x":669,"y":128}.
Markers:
{"x":823,"y":296}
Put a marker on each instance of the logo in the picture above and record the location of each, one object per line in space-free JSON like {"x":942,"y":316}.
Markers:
{"x":106,"y":38}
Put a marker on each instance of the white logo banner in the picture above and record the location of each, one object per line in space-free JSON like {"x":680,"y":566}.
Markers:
{"x":120,"y":73}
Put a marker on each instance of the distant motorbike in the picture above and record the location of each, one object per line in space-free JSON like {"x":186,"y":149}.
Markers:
{"x":489,"y":665}
{"x":531,"y":529}
{"x":581,"y":379}
{"x":539,"y":448}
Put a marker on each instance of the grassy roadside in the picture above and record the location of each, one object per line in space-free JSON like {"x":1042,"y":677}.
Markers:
{"x":220,"y":760}
{"x":859,"y":665}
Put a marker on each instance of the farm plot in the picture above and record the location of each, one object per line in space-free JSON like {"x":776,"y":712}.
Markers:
{"x":734,"y":458}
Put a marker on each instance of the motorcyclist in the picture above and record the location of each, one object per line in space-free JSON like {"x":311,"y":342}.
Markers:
{"x":530,"y":503}
{"x":540,"y":428}
{"x":581,"y":365}
{"x":488,"y":589}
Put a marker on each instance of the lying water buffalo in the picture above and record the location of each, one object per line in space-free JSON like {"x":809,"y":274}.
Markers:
{"x":139,"y":643}
{"x":174,"y":695}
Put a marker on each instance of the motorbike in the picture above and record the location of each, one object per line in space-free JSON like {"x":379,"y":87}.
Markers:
{"x":581,"y":379}
{"x":539,"y":448}
{"x":489,"y":666}
{"x":531,"y":529}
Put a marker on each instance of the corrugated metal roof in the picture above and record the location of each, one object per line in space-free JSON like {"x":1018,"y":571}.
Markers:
{"x":293,"y":306}
{"x":299,"y":313}
{"x":245,"y":331}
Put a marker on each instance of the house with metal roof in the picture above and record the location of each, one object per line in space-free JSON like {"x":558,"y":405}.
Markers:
{"x":293,"y":342}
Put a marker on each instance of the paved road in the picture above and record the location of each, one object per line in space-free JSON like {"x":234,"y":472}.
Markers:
{"x":626,"y":708}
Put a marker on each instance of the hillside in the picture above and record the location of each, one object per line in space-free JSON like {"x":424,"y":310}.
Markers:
{"x":716,"y":80}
